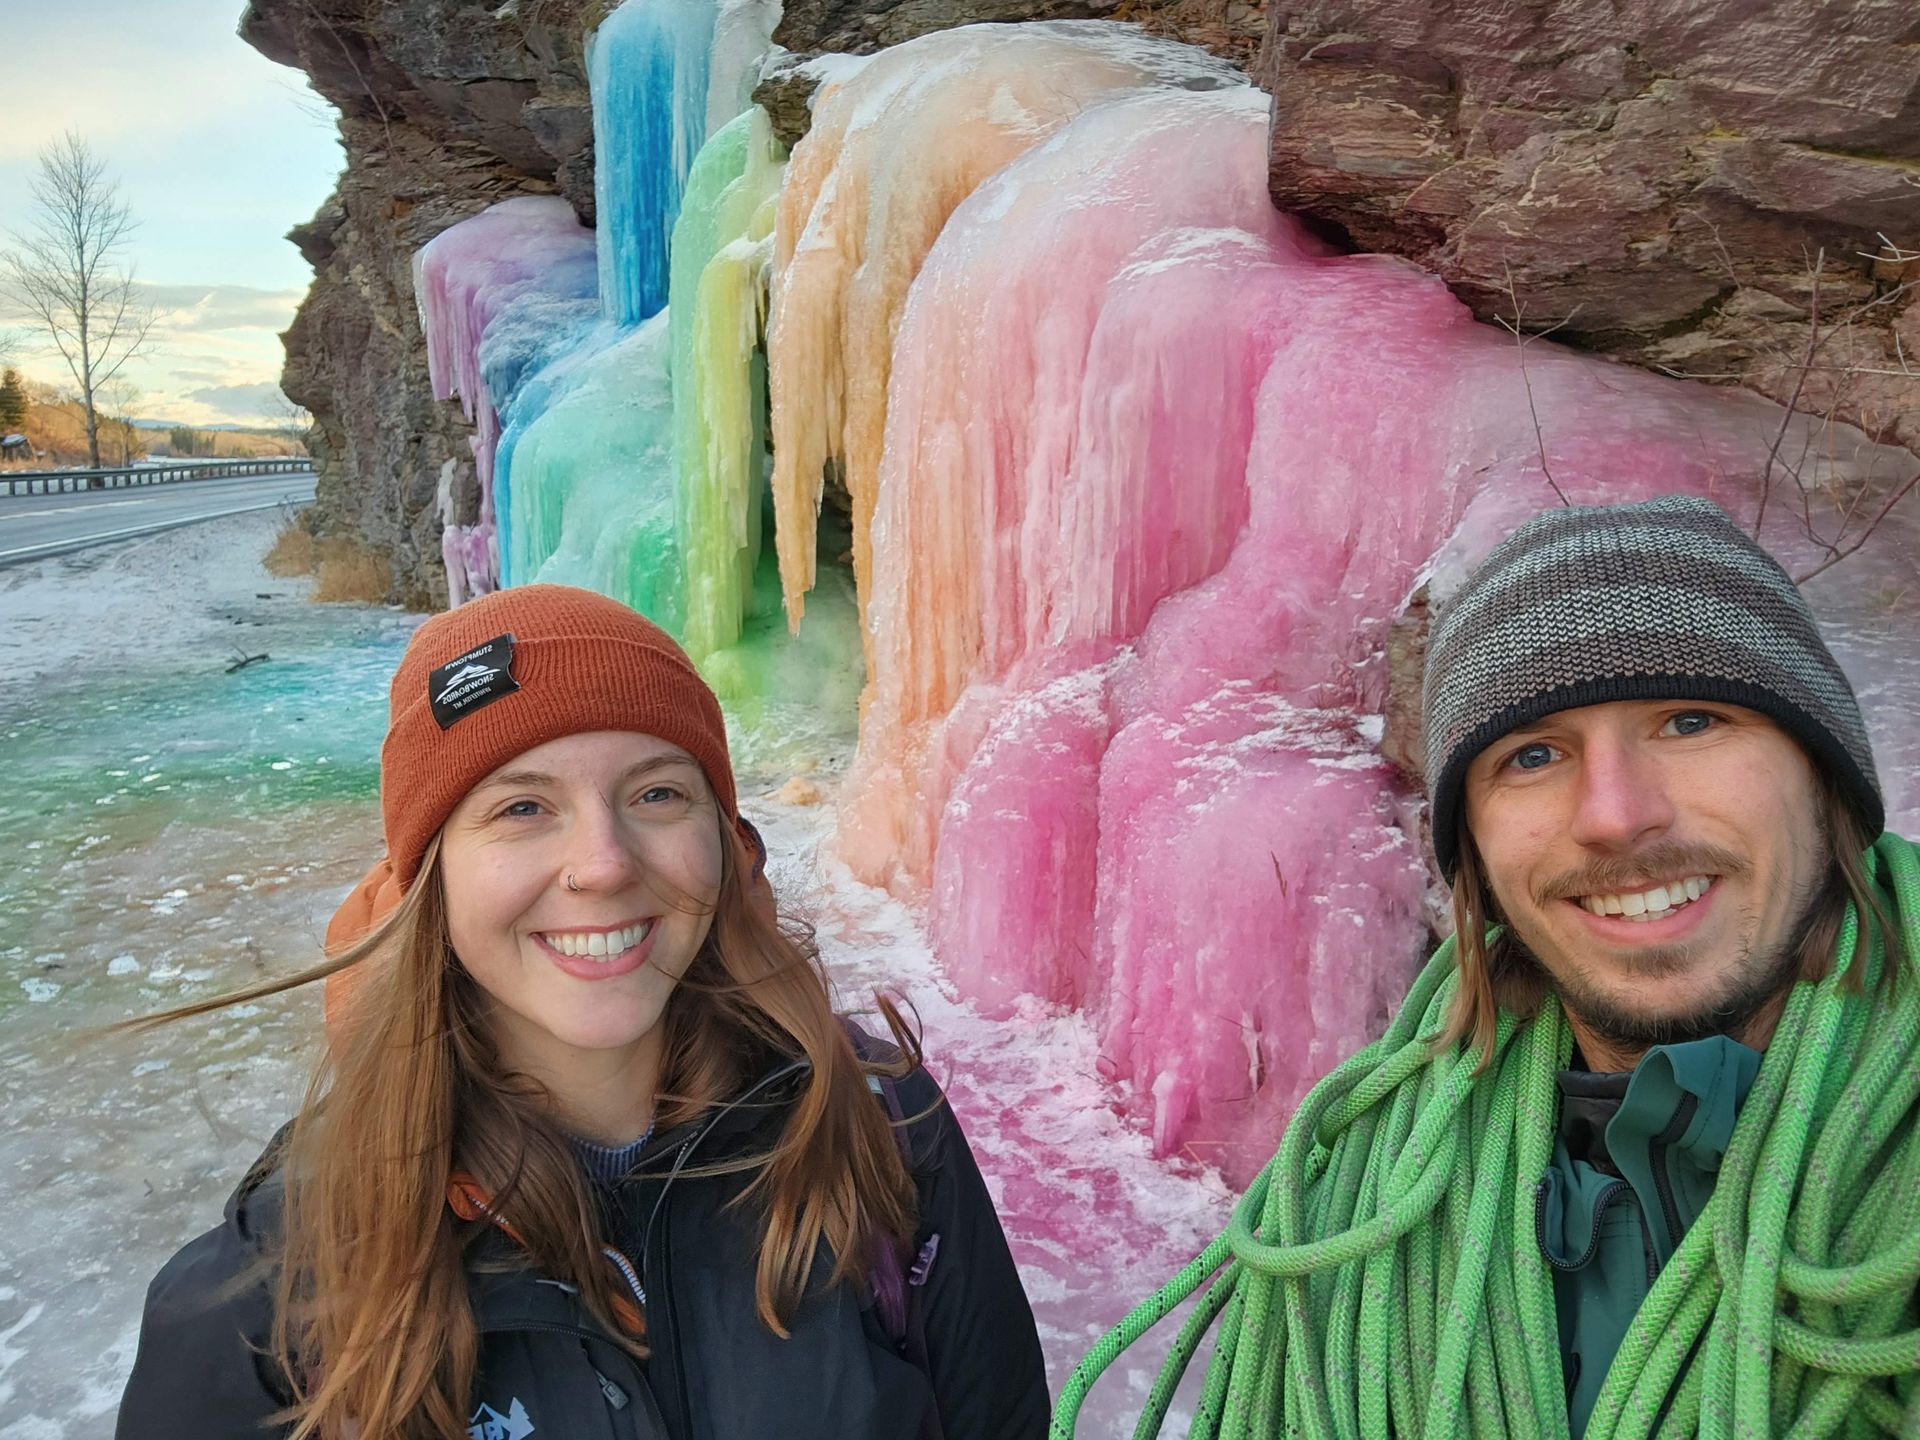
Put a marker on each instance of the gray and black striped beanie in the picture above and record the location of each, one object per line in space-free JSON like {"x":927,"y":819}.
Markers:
{"x":1665,"y":600}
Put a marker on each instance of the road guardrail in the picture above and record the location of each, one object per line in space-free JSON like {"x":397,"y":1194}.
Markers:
{"x":62,"y":482}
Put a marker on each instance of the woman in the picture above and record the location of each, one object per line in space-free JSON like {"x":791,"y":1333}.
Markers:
{"x":591,"y":1154}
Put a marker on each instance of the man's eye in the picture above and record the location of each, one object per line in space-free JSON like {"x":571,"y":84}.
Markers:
{"x":1530,"y":757}
{"x":1690,"y":722}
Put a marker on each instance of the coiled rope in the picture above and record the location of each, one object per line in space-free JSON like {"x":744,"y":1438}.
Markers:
{"x":1381,"y":1276}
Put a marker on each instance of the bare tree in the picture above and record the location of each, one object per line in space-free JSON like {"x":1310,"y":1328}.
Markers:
{"x":64,"y":272}
{"x":289,"y":420}
{"x":1859,"y":503}
{"x":118,"y":397}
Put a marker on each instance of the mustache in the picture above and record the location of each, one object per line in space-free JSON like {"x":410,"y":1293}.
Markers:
{"x":1623,"y":874}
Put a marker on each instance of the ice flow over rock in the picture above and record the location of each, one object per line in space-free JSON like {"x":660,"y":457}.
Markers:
{"x":1158,"y":473}
{"x":1140,"y":474}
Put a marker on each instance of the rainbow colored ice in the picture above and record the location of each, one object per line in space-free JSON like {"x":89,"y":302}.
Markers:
{"x":1139,"y":476}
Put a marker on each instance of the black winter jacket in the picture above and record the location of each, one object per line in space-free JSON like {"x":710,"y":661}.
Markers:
{"x":715,"y":1372}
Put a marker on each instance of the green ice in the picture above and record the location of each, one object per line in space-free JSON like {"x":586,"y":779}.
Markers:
{"x":721,"y":249}
{"x":776,"y":687}
{"x":592,"y":491}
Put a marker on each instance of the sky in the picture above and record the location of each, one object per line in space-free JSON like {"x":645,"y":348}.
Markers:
{"x":217,"y":150}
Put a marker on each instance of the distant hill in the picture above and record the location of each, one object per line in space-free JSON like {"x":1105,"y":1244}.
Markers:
{"x":170,"y":424}
{"x":56,"y":429}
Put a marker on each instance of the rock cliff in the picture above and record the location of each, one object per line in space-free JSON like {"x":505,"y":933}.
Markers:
{"x":1719,"y":190}
{"x":1229,"y":27}
{"x":444,"y":109}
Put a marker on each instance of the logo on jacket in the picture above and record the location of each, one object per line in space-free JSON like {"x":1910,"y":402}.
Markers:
{"x":488,"y":1423}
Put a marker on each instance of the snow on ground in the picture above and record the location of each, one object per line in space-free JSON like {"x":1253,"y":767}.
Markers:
{"x":183,"y":832}
{"x":166,"y":592}
{"x":1096,"y":1223}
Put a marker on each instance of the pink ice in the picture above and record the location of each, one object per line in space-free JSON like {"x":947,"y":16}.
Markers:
{"x":464,"y":279}
{"x":1158,"y":476}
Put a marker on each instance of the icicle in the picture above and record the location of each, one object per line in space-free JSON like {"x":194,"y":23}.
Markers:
{"x":1126,"y":688}
{"x":473,"y":278}
{"x":742,"y":31}
{"x":991,"y":382}
{"x":892,"y":150}
{"x":516,"y":357}
{"x":664,"y":75}
{"x":593,"y":476}
{"x":782,"y":693}
{"x":721,"y":246}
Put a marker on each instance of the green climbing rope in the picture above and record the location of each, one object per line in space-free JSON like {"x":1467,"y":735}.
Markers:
{"x":1382,"y":1276}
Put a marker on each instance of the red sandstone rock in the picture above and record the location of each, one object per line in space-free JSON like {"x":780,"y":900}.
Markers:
{"x":1655,"y":179}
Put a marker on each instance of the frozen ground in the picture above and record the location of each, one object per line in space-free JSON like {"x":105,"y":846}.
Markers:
{"x":176,"y":831}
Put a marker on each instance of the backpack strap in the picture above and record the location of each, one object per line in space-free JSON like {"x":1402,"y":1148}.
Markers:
{"x":898,"y":1286}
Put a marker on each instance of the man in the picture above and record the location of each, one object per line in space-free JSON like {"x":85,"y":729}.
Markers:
{"x":1641,"y":1154}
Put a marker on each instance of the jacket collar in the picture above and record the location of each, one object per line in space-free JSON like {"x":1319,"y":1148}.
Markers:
{"x":1606,"y":1117}
{"x":1657,"y":1133}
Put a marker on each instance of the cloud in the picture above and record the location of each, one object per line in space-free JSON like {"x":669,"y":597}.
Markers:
{"x":198,"y":377}
{"x":246,"y":401}
{"x":197,"y":308}
{"x":201,"y":377}
{"x":221,"y":307}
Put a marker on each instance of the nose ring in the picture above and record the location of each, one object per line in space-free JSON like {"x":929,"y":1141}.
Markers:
{"x":572,"y":884}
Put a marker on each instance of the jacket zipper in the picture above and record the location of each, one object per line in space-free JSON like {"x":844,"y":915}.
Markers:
{"x":1657,"y":1162}
{"x":616,"y":1397}
{"x":1607,"y":1197}
{"x":653,"y":1273}
{"x":685,"y":1390}
{"x":1648,"y":1249}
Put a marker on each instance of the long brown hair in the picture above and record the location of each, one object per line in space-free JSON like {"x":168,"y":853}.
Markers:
{"x":1496,"y":972}
{"x":373,"y":1327}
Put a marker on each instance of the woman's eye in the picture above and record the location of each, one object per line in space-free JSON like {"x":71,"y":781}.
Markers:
{"x":658,"y":795}
{"x":520,"y":809}
{"x":1690,"y":722}
{"x":1531,"y":757}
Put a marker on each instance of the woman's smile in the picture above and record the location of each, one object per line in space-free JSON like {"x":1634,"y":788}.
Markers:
{"x":599,"y":952}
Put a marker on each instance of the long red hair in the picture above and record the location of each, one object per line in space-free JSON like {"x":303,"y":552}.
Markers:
{"x":373,"y":1328}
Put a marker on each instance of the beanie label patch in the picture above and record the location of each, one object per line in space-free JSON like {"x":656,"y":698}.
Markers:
{"x":467,"y":682}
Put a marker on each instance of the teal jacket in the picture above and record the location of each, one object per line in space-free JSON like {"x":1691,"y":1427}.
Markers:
{"x":1633,"y":1166}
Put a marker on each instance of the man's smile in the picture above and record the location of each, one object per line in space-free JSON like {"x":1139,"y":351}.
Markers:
{"x":1652,"y":903}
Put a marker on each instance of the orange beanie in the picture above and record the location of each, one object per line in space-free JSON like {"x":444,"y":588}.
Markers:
{"x":515,"y":669}
{"x":506,"y":672}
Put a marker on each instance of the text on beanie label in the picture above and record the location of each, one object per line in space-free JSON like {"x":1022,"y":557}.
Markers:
{"x":469,"y":681}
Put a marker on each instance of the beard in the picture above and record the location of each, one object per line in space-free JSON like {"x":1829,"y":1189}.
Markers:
{"x":1755,"y":982}
{"x":1756,"y":978}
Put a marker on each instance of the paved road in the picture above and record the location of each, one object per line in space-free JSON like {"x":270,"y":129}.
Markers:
{"x":33,"y":527}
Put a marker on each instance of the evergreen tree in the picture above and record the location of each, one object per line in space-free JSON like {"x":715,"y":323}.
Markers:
{"x":13,"y":403}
